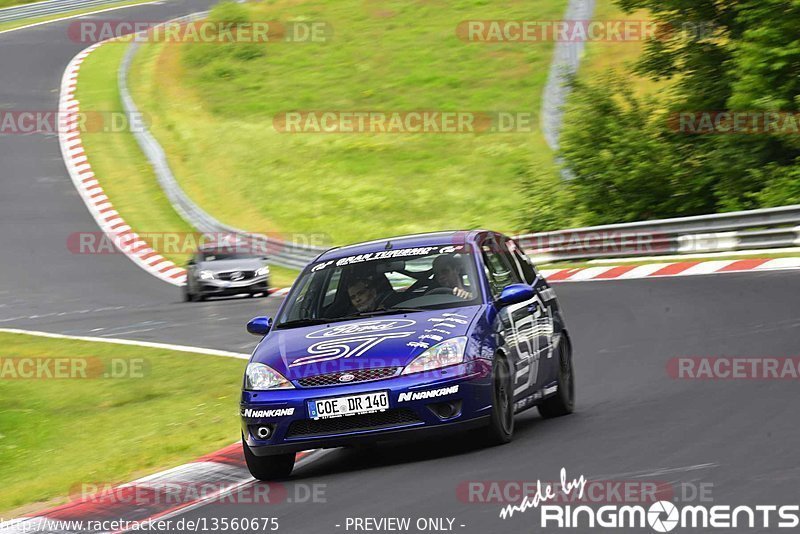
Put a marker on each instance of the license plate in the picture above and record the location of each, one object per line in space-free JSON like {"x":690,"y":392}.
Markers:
{"x":350,"y":405}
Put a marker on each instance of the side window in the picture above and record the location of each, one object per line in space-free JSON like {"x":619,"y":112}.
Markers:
{"x":303,"y":301}
{"x":498,"y":269}
{"x":521,"y":262}
{"x":333,"y":287}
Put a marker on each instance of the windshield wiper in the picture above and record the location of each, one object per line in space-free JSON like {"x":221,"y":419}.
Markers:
{"x":322,"y":320}
{"x":383,"y":311}
{"x":306,"y":322}
{"x":409,"y":309}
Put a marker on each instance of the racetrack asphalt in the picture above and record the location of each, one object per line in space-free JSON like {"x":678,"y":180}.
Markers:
{"x":736,"y":439}
{"x":633,"y":422}
{"x":44,"y":286}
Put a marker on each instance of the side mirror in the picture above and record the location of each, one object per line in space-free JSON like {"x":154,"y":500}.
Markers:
{"x":516,"y":293}
{"x":190,"y":262}
{"x":259,"y":326}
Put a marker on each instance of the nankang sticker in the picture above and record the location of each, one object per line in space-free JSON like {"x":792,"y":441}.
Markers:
{"x":419,"y":395}
{"x":364,"y":327}
{"x":387,"y":254}
{"x":257,"y":414}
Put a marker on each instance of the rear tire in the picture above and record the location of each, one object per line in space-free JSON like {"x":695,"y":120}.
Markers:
{"x":563,"y":402}
{"x":267,"y":468}
{"x":501,"y":424}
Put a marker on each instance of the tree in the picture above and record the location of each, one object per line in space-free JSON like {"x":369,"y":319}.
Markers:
{"x":715,"y":55}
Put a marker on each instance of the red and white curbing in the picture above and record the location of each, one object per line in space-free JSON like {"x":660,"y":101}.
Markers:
{"x":659,"y":270}
{"x":90,"y":190}
{"x":80,"y":170}
{"x":211,"y":478}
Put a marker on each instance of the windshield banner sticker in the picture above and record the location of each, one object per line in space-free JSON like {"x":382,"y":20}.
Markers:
{"x":387,"y":254}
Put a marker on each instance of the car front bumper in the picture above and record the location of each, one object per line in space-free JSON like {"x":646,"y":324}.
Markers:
{"x":258,"y":284}
{"x":411,"y":416}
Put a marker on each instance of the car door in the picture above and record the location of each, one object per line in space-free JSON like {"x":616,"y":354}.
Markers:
{"x":546,"y":308}
{"x":515,"y":323}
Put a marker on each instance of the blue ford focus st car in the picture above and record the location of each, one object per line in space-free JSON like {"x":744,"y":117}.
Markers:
{"x":400,"y":338}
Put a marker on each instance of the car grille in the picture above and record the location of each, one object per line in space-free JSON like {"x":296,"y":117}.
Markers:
{"x":361,"y":375}
{"x":352,"y":423}
{"x":246,"y":275}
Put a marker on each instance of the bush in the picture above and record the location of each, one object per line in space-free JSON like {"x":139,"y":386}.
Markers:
{"x":627,"y":164}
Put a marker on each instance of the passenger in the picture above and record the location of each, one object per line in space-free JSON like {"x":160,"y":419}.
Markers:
{"x":447,"y":273}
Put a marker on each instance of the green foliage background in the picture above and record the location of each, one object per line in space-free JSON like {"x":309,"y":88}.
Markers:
{"x":628,"y":164}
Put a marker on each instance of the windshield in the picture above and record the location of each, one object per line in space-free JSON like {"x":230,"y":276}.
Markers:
{"x":383,"y":282}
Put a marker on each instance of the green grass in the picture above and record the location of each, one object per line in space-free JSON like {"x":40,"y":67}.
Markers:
{"x":282,"y":276}
{"x":9,"y":3}
{"x":601,"y":57}
{"x":213,"y":112}
{"x":33,"y":20}
{"x":55,"y":434}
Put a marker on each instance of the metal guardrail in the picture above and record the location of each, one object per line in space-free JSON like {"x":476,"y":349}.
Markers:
{"x":565,"y":63}
{"x":723,"y":232}
{"x":744,"y":230}
{"x":283,"y":253}
{"x":50,"y":7}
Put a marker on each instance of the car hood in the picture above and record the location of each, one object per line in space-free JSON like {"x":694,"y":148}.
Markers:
{"x":384,"y":341}
{"x":219,"y":266}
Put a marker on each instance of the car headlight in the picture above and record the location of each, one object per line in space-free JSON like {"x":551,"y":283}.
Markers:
{"x":262,"y":271}
{"x":260,"y":377}
{"x":449,"y":352}
{"x":206,"y":275}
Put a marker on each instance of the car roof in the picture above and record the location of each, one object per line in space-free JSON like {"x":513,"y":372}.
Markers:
{"x":431,"y":239}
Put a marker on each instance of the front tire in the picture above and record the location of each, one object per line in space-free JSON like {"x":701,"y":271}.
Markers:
{"x":267,"y":468}
{"x":501,"y":424}
{"x":563,"y":402}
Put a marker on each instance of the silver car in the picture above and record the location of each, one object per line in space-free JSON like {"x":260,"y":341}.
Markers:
{"x":220,"y":272}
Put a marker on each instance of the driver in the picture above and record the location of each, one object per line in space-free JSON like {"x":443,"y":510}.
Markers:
{"x":446,"y":272}
{"x":363,"y":294}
